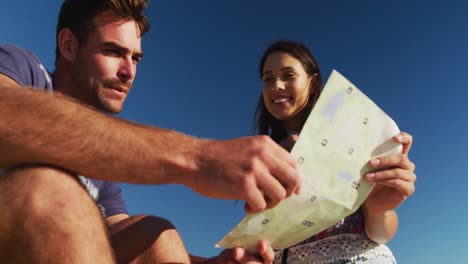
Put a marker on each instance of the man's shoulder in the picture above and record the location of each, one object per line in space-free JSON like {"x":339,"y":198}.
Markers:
{"x":14,"y":51}
{"x":9,"y":46}
{"x":23,"y":66}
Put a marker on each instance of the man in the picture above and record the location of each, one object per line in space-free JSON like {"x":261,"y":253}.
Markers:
{"x":48,"y":140}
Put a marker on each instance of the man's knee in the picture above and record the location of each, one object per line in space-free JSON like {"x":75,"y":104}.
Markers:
{"x":43,"y":190}
{"x":35,"y":193}
{"x":48,"y":212}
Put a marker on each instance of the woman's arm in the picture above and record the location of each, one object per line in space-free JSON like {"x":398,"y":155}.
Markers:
{"x":394,"y":180}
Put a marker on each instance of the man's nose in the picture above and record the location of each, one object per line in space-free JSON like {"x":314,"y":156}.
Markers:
{"x":127,"y":70}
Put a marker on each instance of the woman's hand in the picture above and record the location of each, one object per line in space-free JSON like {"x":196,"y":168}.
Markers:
{"x":394,"y":178}
{"x":239,"y":255}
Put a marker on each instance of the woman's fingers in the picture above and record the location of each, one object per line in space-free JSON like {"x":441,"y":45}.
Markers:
{"x":397,"y":178}
{"x":393,"y":160}
{"x":406,"y":140}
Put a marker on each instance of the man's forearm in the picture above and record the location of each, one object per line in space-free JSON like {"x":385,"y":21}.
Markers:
{"x":39,"y":128}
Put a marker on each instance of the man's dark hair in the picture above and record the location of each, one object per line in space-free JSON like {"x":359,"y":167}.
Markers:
{"x":79,"y":15}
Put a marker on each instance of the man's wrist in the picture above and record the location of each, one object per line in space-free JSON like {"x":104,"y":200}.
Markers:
{"x":196,"y":163}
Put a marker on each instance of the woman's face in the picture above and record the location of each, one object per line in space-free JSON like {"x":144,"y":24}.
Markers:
{"x":285,"y":88}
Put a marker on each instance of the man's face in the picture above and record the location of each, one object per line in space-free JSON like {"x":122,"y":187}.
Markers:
{"x":105,"y":64}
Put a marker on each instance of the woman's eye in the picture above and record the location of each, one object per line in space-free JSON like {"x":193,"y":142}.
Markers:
{"x":268,"y":79}
{"x":289,"y":76}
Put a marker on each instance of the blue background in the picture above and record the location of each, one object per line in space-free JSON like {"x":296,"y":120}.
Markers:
{"x":199,"y":76}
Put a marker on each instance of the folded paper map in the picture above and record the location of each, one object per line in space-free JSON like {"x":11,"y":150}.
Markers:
{"x":343,"y":132}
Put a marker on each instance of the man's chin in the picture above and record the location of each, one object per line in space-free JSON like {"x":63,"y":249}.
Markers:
{"x":111,"y":107}
{"x":113,"y":111}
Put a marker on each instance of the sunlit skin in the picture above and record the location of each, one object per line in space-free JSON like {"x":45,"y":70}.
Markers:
{"x":285,"y":88}
{"x":103,"y":67}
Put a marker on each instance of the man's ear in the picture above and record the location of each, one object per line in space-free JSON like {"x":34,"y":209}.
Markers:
{"x":68,"y":44}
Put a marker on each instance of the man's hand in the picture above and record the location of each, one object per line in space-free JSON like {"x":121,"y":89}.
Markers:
{"x":255,"y":169}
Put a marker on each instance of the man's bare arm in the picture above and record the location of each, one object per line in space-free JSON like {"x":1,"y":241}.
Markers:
{"x":40,"y":128}
{"x":37,"y":127}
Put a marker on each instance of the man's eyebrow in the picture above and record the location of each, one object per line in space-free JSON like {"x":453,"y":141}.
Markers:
{"x":122,"y":49}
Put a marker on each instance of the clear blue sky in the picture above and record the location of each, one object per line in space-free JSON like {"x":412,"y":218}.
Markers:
{"x":199,"y":76}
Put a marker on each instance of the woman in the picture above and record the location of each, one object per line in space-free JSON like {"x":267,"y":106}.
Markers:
{"x":292,"y":84}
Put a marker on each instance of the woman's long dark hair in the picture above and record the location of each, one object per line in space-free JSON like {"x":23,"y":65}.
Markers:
{"x":264,"y":122}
